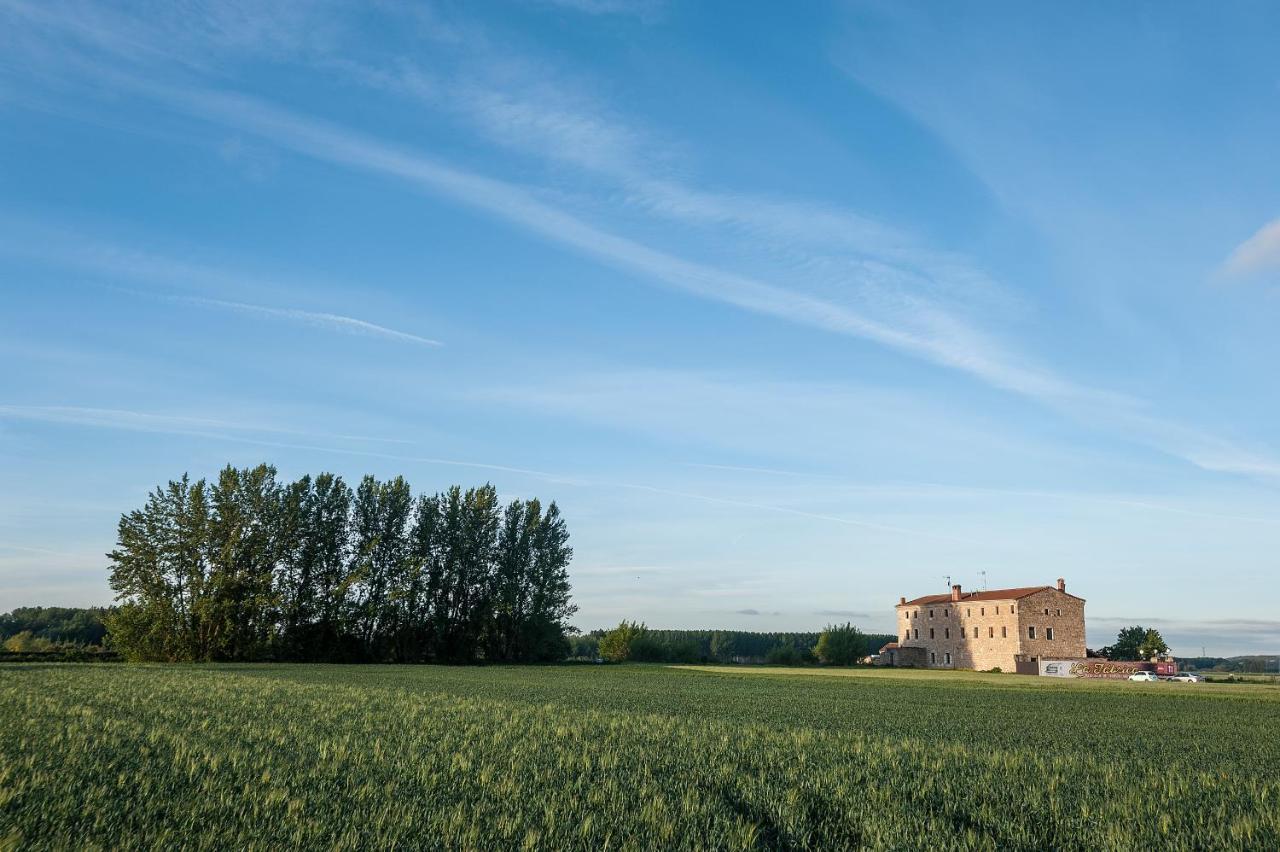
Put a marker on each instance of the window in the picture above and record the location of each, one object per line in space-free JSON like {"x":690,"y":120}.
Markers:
{"x":906,"y":636}
{"x":975,"y":633}
{"x":1057,"y":612}
{"x":946,"y":633}
{"x":917,"y":632}
{"x":930,"y":632}
{"x":982,"y":611}
{"x":1031,"y":632}
{"x":968,"y":612}
{"x":991,"y":633}
{"x":933,"y":657}
{"x":1004,"y":633}
{"x":1046,"y":610}
{"x":931,"y":613}
{"x":997,"y":610}
{"x":946,"y":612}
{"x":948,"y":658}
{"x":1012,"y":608}
{"x":1048,"y":633}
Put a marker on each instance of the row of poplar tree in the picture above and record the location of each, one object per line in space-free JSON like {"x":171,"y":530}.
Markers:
{"x":252,"y":568}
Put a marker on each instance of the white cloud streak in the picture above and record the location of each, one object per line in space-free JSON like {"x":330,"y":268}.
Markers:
{"x":112,"y":261}
{"x":332,"y":322}
{"x":1260,"y":253}
{"x":141,"y":421}
{"x":639,"y":8}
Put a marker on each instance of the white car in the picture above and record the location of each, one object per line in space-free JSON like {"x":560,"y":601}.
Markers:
{"x":1186,"y":677}
{"x":1144,"y":676}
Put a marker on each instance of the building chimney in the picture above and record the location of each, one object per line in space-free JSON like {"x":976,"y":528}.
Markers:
{"x":955,"y":592}
{"x":1062,"y":585}
{"x":902,"y":600}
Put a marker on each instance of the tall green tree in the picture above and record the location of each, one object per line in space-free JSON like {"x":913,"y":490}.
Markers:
{"x":1152,"y":645}
{"x":381,"y":555}
{"x":246,"y":543}
{"x":316,"y":579}
{"x":528,"y":597}
{"x":468,"y":528}
{"x":160,"y":573}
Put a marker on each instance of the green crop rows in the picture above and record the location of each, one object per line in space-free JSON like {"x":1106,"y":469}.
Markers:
{"x":588,"y":757}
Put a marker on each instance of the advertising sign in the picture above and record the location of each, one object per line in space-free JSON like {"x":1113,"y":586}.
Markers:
{"x":1095,"y":669}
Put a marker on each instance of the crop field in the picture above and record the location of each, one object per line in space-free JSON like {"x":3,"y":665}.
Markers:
{"x":627,"y":757}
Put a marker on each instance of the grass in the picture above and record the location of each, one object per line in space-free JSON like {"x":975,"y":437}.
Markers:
{"x":594,"y":757}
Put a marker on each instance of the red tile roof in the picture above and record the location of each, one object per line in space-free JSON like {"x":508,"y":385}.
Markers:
{"x":989,"y":595}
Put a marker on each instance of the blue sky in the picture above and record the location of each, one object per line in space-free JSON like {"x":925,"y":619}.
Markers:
{"x":792,"y":311}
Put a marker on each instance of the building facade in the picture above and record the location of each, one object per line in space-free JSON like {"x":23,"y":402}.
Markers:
{"x":990,"y":629}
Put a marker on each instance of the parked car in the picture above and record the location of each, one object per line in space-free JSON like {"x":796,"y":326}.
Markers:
{"x":1186,"y":677}
{"x":1144,"y":676}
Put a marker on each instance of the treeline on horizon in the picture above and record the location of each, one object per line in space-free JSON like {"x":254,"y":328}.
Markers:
{"x":80,"y":633}
{"x":56,"y":625}
{"x":718,"y":646}
{"x":250,"y":568}
{"x":45,"y":630}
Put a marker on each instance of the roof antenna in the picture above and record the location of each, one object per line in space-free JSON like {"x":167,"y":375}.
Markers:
{"x":948,"y":581}
{"x":984,"y":580}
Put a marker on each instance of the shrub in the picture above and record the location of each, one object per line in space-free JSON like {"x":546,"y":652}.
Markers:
{"x":616,"y":645}
{"x":840,"y":645}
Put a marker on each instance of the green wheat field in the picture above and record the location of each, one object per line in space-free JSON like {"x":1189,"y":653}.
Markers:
{"x":627,"y":757}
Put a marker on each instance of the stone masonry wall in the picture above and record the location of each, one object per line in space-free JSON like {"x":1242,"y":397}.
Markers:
{"x":1065,"y":617}
{"x":1001,"y":629}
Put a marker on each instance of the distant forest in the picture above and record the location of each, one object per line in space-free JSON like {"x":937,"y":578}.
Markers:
{"x":47,"y":627}
{"x":248,"y":567}
{"x":721,"y":646}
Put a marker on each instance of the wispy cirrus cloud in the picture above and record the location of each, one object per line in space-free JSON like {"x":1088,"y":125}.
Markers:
{"x":640,"y":8}
{"x":332,"y":322}
{"x":522,"y":104}
{"x":1256,"y":255}
{"x":257,"y":434}
{"x":849,"y":274}
{"x":116,"y":262}
{"x":145,"y":421}
{"x":933,"y":340}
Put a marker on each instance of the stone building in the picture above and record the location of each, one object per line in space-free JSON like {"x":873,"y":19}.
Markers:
{"x":990,"y":629}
